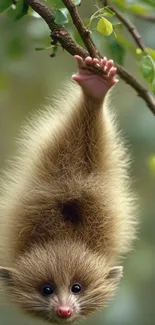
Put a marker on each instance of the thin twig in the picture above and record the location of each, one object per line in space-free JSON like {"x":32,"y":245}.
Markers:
{"x":150,"y":18}
{"x":141,"y":90}
{"x":84,"y":33}
{"x":130,"y":27}
{"x":58,"y":32}
{"x":129,"y":79}
{"x":65,"y":39}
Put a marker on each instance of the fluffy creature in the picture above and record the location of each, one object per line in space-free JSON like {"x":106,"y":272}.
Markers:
{"x":67,"y":212}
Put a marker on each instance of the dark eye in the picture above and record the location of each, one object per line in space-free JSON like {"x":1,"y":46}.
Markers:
{"x":76,"y":288}
{"x":47,"y":290}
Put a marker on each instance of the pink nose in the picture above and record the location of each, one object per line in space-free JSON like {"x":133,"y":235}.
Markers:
{"x":64,"y":311}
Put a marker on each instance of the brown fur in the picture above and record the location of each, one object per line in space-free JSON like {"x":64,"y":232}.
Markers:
{"x":67,"y":211}
{"x":62,"y":264}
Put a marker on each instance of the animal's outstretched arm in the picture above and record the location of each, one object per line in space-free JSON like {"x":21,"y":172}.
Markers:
{"x":91,"y":121}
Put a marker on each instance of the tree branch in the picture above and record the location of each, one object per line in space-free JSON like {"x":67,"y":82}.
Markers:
{"x":84,"y":33}
{"x":63,"y":37}
{"x":130,"y":27}
{"x":148,"y":17}
{"x":58,"y":32}
{"x":128,"y":78}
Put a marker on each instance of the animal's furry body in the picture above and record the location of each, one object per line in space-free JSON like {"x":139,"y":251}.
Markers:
{"x":67,"y":211}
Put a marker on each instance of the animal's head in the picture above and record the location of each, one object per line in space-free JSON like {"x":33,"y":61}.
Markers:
{"x":61,"y":282}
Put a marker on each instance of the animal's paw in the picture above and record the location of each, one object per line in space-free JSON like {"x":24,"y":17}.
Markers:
{"x":92,"y":83}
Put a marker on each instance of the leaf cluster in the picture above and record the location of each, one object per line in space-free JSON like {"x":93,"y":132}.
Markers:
{"x":104,"y":22}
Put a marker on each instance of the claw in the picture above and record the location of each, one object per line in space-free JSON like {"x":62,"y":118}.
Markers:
{"x":88,"y":60}
{"x":79,"y":60}
{"x":109,"y":65}
{"x":93,"y":84}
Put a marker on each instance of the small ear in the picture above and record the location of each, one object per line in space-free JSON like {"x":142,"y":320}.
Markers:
{"x":115,"y":273}
{"x":5,"y":274}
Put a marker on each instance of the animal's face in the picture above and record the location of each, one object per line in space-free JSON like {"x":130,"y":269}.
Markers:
{"x":61,"y":283}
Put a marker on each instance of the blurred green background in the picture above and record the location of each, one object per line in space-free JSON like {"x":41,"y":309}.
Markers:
{"x":28,"y":79}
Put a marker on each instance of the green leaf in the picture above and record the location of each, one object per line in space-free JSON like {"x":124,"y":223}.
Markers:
{"x":104,"y":27}
{"x":149,"y":2}
{"x":136,"y":8}
{"x":121,"y":4}
{"x":147,"y":67}
{"x":56,"y":4}
{"x":20,"y":10}
{"x":116,"y":51}
{"x":151,"y":52}
{"x":147,"y":49}
{"x":5,"y":4}
{"x":33,"y":13}
{"x":139,"y":51}
{"x":40,"y":48}
{"x":77,"y":2}
{"x":117,"y":27}
{"x":44,"y":48}
{"x":61,"y":17}
{"x":108,"y":12}
{"x":123,"y":41}
{"x":153,"y":85}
